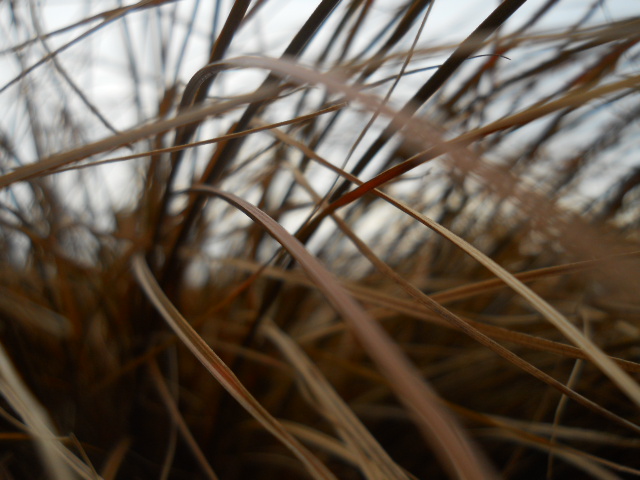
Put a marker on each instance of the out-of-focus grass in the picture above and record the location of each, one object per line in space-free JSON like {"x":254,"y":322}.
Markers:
{"x":400,"y":248}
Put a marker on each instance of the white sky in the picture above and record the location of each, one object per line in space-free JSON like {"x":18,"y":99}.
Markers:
{"x":102,"y":67}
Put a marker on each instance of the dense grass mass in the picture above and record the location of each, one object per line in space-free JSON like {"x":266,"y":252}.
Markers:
{"x":328,"y":239}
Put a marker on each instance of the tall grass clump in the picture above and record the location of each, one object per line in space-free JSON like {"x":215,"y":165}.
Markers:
{"x":320,"y":239}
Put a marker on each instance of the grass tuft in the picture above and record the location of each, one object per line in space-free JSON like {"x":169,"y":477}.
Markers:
{"x":330,"y":239}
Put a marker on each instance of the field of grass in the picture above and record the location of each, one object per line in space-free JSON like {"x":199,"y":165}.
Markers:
{"x":361,"y":239}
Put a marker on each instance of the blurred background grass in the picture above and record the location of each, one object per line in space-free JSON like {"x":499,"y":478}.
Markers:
{"x":519,"y":136}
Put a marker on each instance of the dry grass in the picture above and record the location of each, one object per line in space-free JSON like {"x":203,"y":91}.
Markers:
{"x":399,"y":249}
